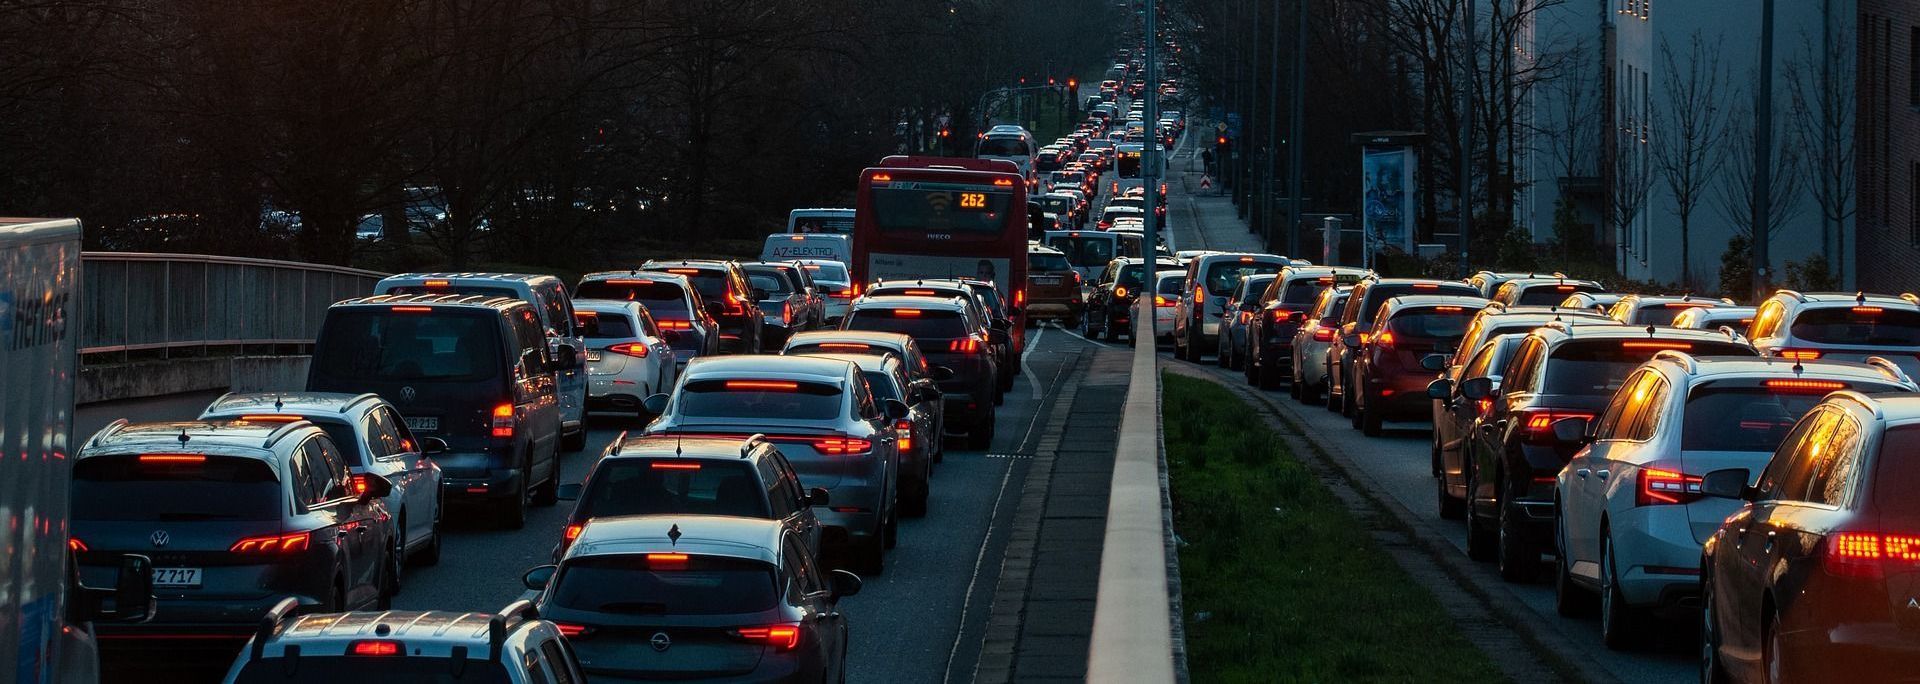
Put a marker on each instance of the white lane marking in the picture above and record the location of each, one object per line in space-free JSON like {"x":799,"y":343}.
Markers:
{"x":1084,"y":338}
{"x":1027,"y":369}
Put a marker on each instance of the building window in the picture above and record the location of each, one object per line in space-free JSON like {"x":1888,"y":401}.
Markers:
{"x":1913,"y":68}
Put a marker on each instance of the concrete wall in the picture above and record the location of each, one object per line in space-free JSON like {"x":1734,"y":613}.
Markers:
{"x":116,"y":382}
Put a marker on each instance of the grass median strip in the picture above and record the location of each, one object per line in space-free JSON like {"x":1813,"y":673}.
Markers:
{"x":1280,"y":581}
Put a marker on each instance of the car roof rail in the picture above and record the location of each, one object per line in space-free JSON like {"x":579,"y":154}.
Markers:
{"x":357,"y":400}
{"x":1889,"y":368}
{"x":270,"y":622}
{"x":514,"y":614}
{"x":112,"y":428}
{"x":1861,"y":398}
{"x":754,"y":440}
{"x":1910,"y":297}
{"x":1731,"y":333}
{"x":1795,"y":294}
{"x":619,"y":442}
{"x":1684,"y":359}
{"x":281,"y":432}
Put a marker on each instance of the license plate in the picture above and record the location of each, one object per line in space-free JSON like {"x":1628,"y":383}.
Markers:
{"x":593,"y":356}
{"x":1046,"y":281}
{"x":176,"y":577}
{"x":423,"y":424}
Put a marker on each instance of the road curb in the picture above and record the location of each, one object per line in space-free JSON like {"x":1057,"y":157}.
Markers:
{"x":1490,"y":615}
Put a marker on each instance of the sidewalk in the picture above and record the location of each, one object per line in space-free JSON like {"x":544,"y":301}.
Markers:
{"x":1190,"y":207}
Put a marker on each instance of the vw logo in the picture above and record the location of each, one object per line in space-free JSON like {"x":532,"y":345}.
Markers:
{"x":406,"y":393}
{"x":160,"y":539}
{"x":661,"y":642}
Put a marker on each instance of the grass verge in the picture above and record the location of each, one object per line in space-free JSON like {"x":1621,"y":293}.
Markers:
{"x":1280,"y":581}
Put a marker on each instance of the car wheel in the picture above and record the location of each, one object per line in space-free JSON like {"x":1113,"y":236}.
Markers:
{"x":1371,"y":420}
{"x":1073,"y":322}
{"x":389,"y":578}
{"x":430,"y":555}
{"x":1772,"y":655}
{"x":1451,"y":507}
{"x":1519,"y":560}
{"x":576,"y":440}
{"x":1569,"y":599}
{"x":548,"y":493}
{"x":980,"y":438}
{"x":890,"y":534}
{"x":1712,"y":670}
{"x":1353,"y":412}
{"x":514,"y":516}
{"x":1220,"y":356}
{"x":869,"y":559}
{"x":1481,"y":542}
{"x":1179,"y":350}
{"x":1349,"y":396}
{"x":1087,"y":330}
{"x":337,"y":603}
{"x":915,"y":505}
{"x":1333,"y":400}
{"x":1620,"y":624}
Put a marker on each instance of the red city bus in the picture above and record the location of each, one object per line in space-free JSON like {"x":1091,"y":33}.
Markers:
{"x":944,"y":217}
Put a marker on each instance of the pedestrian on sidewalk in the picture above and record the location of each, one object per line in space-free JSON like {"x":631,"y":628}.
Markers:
{"x":1206,"y":161}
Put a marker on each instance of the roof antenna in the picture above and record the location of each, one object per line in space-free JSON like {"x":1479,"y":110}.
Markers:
{"x":676,"y":445}
{"x":673,"y":535}
{"x":1797,"y":368}
{"x":183,"y":436}
{"x":1649,"y":330}
{"x":1860,"y":298}
{"x":276,"y":403}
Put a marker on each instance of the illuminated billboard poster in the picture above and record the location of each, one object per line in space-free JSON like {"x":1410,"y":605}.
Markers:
{"x":1387,"y":189}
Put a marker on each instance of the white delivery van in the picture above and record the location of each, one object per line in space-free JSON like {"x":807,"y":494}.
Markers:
{"x":40,"y":597}
{"x":789,"y":246}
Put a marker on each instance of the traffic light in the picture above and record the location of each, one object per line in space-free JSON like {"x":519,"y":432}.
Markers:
{"x":1220,"y":142}
{"x":1050,"y":80}
{"x":1073,"y":83}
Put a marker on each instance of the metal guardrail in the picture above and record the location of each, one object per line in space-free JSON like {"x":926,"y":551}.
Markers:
{"x":1132,"y":616}
{"x":146,"y":302}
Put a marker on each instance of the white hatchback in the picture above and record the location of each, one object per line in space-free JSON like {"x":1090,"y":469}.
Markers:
{"x":628,"y":358}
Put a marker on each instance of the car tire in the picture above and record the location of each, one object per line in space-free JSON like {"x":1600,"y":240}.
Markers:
{"x":1773,"y":665}
{"x":890,"y":532}
{"x":1353,"y":414}
{"x":389,"y":579}
{"x":514,"y":515}
{"x":1482,"y":543}
{"x":576,"y":440}
{"x":1371,"y":421}
{"x":1712,"y":670}
{"x":1333,"y":400}
{"x":1220,"y":356}
{"x":548,"y":493}
{"x":1179,"y":350}
{"x":1519,"y":560}
{"x":1349,"y":398}
{"x":915,"y":505}
{"x":430,"y":556}
{"x":1569,"y":598}
{"x":1621,"y":625}
{"x":980,"y":438}
{"x":870,"y":559}
{"x":1450,"y":507}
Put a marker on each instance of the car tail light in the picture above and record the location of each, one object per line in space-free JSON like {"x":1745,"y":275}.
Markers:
{"x":1161,"y":300}
{"x":1020,"y":297}
{"x":845,"y":345}
{"x":673,"y":465}
{"x":904,"y":428}
{"x":1805,"y":386}
{"x":1323,"y":334}
{"x":1800,"y":354}
{"x":437,"y":283}
{"x":173,"y":459}
{"x":888,"y":178}
{"x":1536,"y":425}
{"x":273,"y":543}
{"x":372,"y":647}
{"x":735,"y":305}
{"x":503,"y":421}
{"x":274,"y":418}
{"x":1643,"y":344}
{"x":841,"y":446}
{"x":906,"y":313}
{"x":74,"y":544}
{"x":413,"y":309}
{"x":572,"y":532}
{"x":1119,"y":292}
{"x":573,"y":631}
{"x":1660,"y":487}
{"x":762,"y":385}
{"x":666,"y":561}
{"x":1384,"y":340}
{"x":841,"y":294}
{"x":684,"y":271}
{"x":674,"y":325}
{"x":1867,"y":554}
{"x":780,"y":637}
{"x":1426,"y":286}
{"x":633,"y":349}
{"x":359,"y":483}
{"x":967,"y":345}
{"x":1867,"y":310}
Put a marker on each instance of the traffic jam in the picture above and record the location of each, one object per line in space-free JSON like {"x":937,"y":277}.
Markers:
{"x":1670,"y":465}
{"x":792,"y":410}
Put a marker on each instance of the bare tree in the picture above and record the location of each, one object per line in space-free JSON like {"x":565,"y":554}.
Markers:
{"x":1821,"y":85}
{"x":1688,"y":132}
{"x":1632,"y":179}
{"x":1733,"y":191}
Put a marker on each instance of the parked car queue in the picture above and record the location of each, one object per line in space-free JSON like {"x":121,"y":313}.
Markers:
{"x":1737,"y":470}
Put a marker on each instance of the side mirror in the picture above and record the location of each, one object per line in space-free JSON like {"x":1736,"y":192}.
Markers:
{"x":896,"y":409}
{"x":817,"y":496}
{"x":757,"y":294}
{"x":999,"y":337}
{"x":1249,"y":306}
{"x":1434,"y":362}
{"x":369,"y":486}
{"x":566,"y":357}
{"x":1728,"y":483}
{"x":1574,"y":431}
{"x":569,"y":492}
{"x":131,"y":595}
{"x":432,"y":445}
{"x":1476,"y":388}
{"x":715,"y":310}
{"x":538,"y":578}
{"x":1351,"y":340}
{"x":1001,"y":324}
{"x":670,"y":336}
{"x":940,"y":373}
{"x":843,"y":583}
{"x":655,"y":404}
{"x":1441,"y":389}
{"x":1330,"y":322}
{"x":1220,"y":302}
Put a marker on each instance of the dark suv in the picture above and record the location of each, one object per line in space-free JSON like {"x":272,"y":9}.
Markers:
{"x":1110,"y":304}
{"x":1356,"y":322}
{"x":946,"y":332}
{"x":652,"y":475}
{"x":1280,"y":312}
{"x":236,"y":515}
{"x":1390,"y":370}
{"x":730,"y":298}
{"x":1563,"y":370}
{"x":473,"y":371}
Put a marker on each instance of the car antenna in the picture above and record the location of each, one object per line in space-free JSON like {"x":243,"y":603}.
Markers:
{"x":276,"y":403}
{"x":673,"y":535}
{"x":1797,"y":368}
{"x":184,"y":436}
{"x":1649,"y":330}
{"x":676,"y":444}
{"x":1860,"y":298}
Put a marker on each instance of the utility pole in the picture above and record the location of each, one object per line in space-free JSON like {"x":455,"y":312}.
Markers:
{"x":1296,"y":130}
{"x":1763,"y":156}
{"x":1466,"y":143}
{"x":1273,"y":133}
{"x":1151,"y":163}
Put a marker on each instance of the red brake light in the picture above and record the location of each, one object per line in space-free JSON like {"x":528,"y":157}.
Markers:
{"x":964,"y":346}
{"x":838,"y":446}
{"x":1161,"y":300}
{"x":570,"y":630}
{"x":375,"y":648}
{"x":886,"y":177}
{"x":1564,"y":288}
{"x":1246,"y":260}
{"x":76,"y":545}
{"x":1868,"y":310}
{"x":1865,"y":554}
{"x":272,"y":543}
{"x":919,"y":293}
{"x":781,"y":637}
{"x":1323,"y":334}
{"x":437,"y":283}
{"x":1426,"y":286}
{"x":844,"y":345}
{"x":503,"y":421}
{"x":674,"y":325}
{"x":1537,"y":424}
{"x":1800,"y":354}
{"x":763,"y":385}
{"x":684,"y":271}
{"x":633,"y":349}
{"x":412,"y":309}
{"x":359,"y":484}
{"x":1020,"y":297}
{"x":1003,"y":182}
{"x":1384,"y":340}
{"x":1448,"y":309}
{"x":904,"y":429}
{"x":906,"y":313}
{"x":666,"y":561}
{"x":1805,"y":386}
{"x":1660,"y":487}
{"x":172,"y":458}
{"x":1638,"y":344}
{"x":673,"y":465}
{"x":573,"y":531}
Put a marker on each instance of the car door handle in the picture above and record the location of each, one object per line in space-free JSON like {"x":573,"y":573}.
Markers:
{"x":1768,"y":548}
{"x":1601,"y":474}
{"x":1583,"y":472}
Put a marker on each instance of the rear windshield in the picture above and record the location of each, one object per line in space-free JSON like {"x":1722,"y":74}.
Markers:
{"x":1128,"y":163}
{"x":1549,"y":295}
{"x":772,"y":281}
{"x":595,"y":325}
{"x":1039,"y":262}
{"x":1378,"y":295}
{"x":927,"y":325}
{"x":759,"y":399}
{"x":382,"y":344}
{"x":1742,"y":418}
{"x":1173,"y":285}
{"x":627,"y":486}
{"x":1859,"y":325}
{"x":837,"y":225}
{"x":126,"y":488}
{"x":316,"y":669}
{"x":1003,"y":146}
{"x":1659,"y":314}
{"x":468,"y":290}
{"x":627,"y":584}
{"x":710,"y":283}
{"x":831,"y":272}
{"x":1896,"y":475}
{"x":1084,"y":251}
{"x":1221,"y":276}
{"x":1255,"y":288}
{"x":665,"y":300}
{"x":1598,"y":367}
{"x":881,"y":383}
{"x":1302,"y":291}
{"x":1058,"y":205}
{"x":1433,"y":323}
